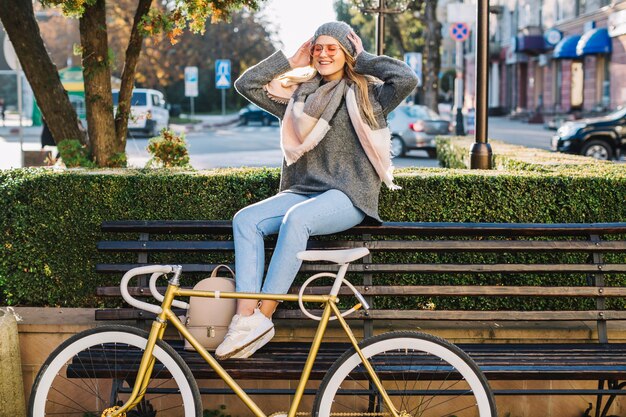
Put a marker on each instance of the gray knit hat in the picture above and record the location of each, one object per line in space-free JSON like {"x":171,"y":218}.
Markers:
{"x":339,"y":31}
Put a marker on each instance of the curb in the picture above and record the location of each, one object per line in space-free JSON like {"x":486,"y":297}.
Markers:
{"x":196,"y":127}
{"x":226,"y":122}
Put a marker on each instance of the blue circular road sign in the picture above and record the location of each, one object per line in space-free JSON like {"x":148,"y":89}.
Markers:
{"x":459,"y":31}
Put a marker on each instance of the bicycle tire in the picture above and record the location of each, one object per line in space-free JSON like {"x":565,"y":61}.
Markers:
{"x":85,"y":375}
{"x":438,"y":378}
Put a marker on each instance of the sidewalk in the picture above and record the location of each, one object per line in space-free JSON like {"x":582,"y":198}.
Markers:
{"x":207,"y":122}
{"x":31,"y":135}
{"x":10,"y":141}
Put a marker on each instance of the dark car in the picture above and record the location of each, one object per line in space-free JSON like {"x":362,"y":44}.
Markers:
{"x":252,"y":113}
{"x":599,"y":137}
{"x":415,"y":127}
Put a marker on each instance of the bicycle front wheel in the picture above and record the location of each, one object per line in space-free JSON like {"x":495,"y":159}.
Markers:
{"x":424,"y":376}
{"x":96,"y":369}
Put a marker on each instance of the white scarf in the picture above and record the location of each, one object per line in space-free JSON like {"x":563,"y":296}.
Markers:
{"x":311,"y":105}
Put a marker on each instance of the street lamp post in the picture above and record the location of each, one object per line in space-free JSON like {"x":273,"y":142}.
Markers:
{"x":480,"y":154}
{"x":381,"y":8}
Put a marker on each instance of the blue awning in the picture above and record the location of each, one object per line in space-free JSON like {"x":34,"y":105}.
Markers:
{"x":531,"y":44}
{"x":595,"y":41}
{"x":566,"y":49}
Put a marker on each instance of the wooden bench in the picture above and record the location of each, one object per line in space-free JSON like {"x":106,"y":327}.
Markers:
{"x":584,"y":262}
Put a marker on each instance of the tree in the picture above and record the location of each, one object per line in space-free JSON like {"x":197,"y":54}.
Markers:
{"x":107,"y":135}
{"x":18,"y":18}
{"x":415,"y":30}
{"x":243,"y":39}
{"x":432,"y":56}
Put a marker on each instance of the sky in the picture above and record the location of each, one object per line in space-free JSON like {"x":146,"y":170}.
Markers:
{"x":297,"y":20}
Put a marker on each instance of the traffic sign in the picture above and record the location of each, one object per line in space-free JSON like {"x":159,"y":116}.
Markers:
{"x":222,"y":73}
{"x":459,"y":31}
{"x":191,"y":81}
{"x":9,"y":53}
{"x":414,"y":60}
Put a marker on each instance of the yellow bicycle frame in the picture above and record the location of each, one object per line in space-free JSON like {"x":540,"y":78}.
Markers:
{"x":167,"y":315}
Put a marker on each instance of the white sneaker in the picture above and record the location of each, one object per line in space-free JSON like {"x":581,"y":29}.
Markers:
{"x":247,"y":351}
{"x":242,"y":332}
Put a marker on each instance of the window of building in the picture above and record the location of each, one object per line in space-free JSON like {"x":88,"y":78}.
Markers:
{"x":578,"y":84}
{"x":603,"y":81}
{"x":556,"y":85}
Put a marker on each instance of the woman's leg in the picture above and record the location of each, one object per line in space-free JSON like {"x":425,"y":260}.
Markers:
{"x":326,"y":213}
{"x":250,"y":225}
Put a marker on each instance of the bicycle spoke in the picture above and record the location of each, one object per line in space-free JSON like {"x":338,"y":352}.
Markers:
{"x":98,"y":363}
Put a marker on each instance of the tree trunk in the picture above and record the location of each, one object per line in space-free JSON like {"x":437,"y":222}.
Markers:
{"x":432,"y":58}
{"x":97,"y":74}
{"x":19,"y":21}
{"x":128,"y":75}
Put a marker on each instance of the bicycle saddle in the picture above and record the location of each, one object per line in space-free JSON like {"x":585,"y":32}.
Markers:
{"x":340,"y":256}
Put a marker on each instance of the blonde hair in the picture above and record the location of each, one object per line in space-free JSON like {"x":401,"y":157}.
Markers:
{"x":301,"y":75}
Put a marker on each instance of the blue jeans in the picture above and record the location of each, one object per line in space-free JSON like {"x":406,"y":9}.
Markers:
{"x":294,"y":217}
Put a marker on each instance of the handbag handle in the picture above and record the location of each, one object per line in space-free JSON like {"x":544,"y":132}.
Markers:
{"x":217,"y":268}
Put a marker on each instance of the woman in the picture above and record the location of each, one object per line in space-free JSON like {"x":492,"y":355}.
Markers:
{"x":336,"y":153}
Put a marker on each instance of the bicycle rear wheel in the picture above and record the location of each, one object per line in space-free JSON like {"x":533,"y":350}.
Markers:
{"x":96,"y":369}
{"x":424,"y":376}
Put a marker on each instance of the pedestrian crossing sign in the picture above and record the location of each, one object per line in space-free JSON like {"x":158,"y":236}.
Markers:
{"x":222,"y":73}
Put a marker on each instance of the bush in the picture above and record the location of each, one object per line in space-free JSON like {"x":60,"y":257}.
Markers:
{"x":168,"y":150}
{"x":453,"y":152}
{"x":74,"y":154}
{"x":51,"y":220}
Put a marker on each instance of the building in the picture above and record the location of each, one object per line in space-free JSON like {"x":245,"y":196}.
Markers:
{"x":553,"y":57}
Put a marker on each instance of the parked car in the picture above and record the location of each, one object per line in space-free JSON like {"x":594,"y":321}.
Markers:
{"x":148,"y":112}
{"x":599,"y":137}
{"x":253,"y":113}
{"x":415,"y":127}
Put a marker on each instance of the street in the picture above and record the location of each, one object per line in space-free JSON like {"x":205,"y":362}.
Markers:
{"x":230,"y":145}
{"x":256,"y":145}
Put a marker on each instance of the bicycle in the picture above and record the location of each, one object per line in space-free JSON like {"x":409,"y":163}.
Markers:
{"x":118,"y":370}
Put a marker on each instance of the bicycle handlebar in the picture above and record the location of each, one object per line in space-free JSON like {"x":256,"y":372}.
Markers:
{"x":156,"y":271}
{"x":156,"y":294}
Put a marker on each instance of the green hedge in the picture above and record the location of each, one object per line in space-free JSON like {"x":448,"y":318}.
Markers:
{"x":50,"y":220}
{"x":453,"y":152}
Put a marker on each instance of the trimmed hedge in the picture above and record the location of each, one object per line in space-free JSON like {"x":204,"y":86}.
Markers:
{"x":50,"y":220}
{"x":453,"y":152}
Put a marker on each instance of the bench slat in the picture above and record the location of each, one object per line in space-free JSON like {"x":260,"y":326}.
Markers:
{"x":205,"y":245}
{"x":432,"y":290}
{"x":421,"y":268}
{"x":383,"y":245}
{"x":285,"y":360}
{"x":439,"y":315}
{"x":387,"y":228}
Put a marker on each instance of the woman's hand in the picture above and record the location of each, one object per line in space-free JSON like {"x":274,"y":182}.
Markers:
{"x":302,"y":57}
{"x":356,"y":41}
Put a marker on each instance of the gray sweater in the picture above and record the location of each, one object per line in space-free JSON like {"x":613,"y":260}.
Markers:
{"x":338,"y":161}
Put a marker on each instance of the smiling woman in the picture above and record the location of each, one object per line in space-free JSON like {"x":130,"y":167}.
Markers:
{"x":336,"y":149}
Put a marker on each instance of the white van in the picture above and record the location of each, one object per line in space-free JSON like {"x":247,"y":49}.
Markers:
{"x":148,"y":114}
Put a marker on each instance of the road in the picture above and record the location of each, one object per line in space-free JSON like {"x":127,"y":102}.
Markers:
{"x":256,"y":145}
{"x":519,"y":133}
{"x":235,"y":146}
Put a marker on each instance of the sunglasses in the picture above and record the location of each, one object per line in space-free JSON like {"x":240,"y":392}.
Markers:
{"x":331,"y":49}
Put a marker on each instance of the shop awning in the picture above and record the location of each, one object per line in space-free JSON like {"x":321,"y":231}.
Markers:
{"x":595,"y":41}
{"x":566,"y":49}
{"x":531,"y":44}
